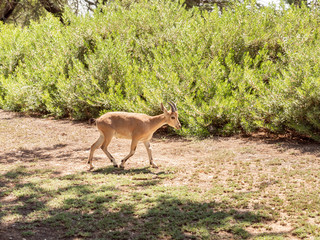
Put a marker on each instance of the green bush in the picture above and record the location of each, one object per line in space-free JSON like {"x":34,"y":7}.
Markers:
{"x":239,"y":70}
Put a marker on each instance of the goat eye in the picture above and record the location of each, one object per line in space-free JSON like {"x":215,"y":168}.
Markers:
{"x":173,"y":117}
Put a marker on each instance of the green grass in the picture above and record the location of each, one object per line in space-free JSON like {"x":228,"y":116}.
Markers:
{"x":141,"y":204}
{"x":112,"y":204}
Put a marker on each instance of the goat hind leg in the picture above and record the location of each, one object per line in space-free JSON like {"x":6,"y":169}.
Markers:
{"x":104,"y":148}
{"x":94,"y":146}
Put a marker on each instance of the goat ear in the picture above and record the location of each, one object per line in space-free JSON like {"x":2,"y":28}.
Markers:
{"x":163,"y":108}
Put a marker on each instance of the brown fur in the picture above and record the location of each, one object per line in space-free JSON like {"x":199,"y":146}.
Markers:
{"x":135,"y":126}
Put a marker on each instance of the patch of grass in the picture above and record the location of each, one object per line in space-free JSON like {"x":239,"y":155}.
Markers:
{"x":307,"y":230}
{"x":119,"y":204}
{"x":275,"y":162}
{"x":27,"y":233}
{"x":16,"y":172}
{"x":269,"y":237}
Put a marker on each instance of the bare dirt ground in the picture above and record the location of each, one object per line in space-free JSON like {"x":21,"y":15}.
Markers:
{"x":64,"y":145}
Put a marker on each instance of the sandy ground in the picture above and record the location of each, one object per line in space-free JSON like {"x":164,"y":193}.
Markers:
{"x":63,"y":145}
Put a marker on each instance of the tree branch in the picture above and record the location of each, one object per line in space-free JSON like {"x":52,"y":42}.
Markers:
{"x":8,"y":10}
{"x":55,"y":9}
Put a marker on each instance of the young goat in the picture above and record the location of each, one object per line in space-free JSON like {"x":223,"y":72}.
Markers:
{"x":135,"y":126}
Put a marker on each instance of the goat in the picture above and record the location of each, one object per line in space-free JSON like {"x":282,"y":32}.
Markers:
{"x":135,"y":126}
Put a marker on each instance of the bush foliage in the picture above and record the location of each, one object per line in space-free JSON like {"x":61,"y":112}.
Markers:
{"x":242,"y":69}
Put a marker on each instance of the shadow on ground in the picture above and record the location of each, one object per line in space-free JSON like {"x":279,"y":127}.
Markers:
{"x":87,"y":212}
{"x":36,"y":154}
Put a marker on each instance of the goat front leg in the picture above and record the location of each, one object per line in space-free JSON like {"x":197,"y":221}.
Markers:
{"x":148,"y":147}
{"x":132,"y":151}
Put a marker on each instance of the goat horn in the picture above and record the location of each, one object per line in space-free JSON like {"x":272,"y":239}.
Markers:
{"x":175,"y":106}
{"x":172,"y":107}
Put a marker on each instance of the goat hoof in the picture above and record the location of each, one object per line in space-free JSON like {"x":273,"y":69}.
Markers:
{"x":91,"y":167}
{"x":115,"y":166}
{"x":154,"y":165}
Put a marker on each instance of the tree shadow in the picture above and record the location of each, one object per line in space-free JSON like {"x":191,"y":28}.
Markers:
{"x":287,"y":142}
{"x":170,"y":218}
{"x":83,"y":212}
{"x":33,"y":155}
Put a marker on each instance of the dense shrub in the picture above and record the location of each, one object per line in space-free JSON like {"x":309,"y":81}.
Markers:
{"x":242,"y":69}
